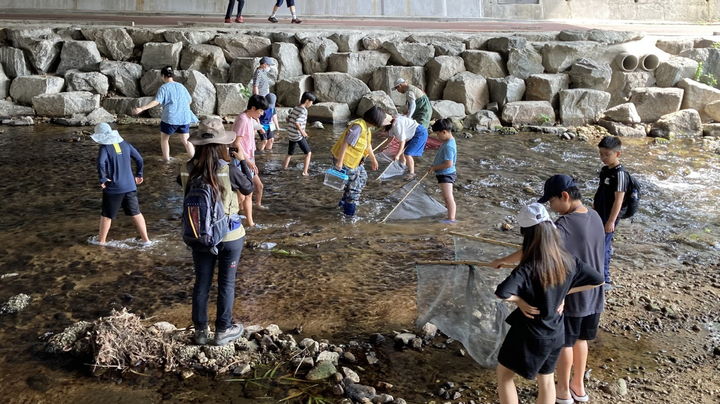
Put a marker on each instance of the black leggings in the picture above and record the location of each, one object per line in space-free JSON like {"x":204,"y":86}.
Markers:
{"x":231,"y":5}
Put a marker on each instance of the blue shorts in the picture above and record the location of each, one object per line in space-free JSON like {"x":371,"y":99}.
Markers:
{"x":416,"y":145}
{"x":168,"y":129}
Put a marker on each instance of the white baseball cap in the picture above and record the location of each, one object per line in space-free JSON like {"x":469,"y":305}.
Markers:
{"x":533,"y":214}
{"x":398,"y":82}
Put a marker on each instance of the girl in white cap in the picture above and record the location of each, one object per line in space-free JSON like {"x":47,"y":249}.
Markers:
{"x":538,"y":286}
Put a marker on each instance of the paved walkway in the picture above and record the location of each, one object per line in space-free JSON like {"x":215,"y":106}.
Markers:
{"x":476,"y":25}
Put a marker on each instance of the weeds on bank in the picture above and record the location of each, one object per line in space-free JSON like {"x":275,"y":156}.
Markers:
{"x":300,"y":390}
{"x":706,"y":78}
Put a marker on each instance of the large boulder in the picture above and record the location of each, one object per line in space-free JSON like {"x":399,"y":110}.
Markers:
{"x":207,"y":59}
{"x":408,"y":53}
{"x":91,"y":81}
{"x":709,"y":57}
{"x":469,"y":89}
{"x":680,"y":124}
{"x":113,"y":43}
{"x":506,"y":89}
{"x":125,"y":77}
{"x":505,"y":44}
{"x":623,"y":113}
{"x":521,"y":113}
{"x":66,"y":104}
{"x":587,"y":73}
{"x":289,"y":62}
{"x":444,"y":44}
{"x":360,"y":65}
{"x":653,"y":102}
{"x":330,"y":112}
{"x":558,"y":57}
{"x":242,"y":46}
{"x":377,"y":40}
{"x":383,"y":79}
{"x":582,"y":106}
{"x":599,"y":35}
{"x":447,"y":109}
{"x":524,"y":62}
{"x":13,"y":62}
{"x":9,"y":109}
{"x":621,"y":129}
{"x":339,"y":87}
{"x":439,"y":70}
{"x":713,"y":110}
{"x":158,"y":55}
{"x":202,"y":91}
{"x":697,"y":96}
{"x":482,"y":121}
{"x":4,"y":84}
{"x":674,"y":69}
{"x":485,"y":63}
{"x":546,"y":87}
{"x":79,"y":55}
{"x":42,"y":50}
{"x":243,"y":69}
{"x":151,"y":81}
{"x":376,"y":98}
{"x":622,"y":84}
{"x":290,"y":90}
{"x":24,"y":88}
{"x":348,"y":41}
{"x":188,"y":36}
{"x":125,"y":105}
{"x":141,"y":36}
{"x":230,"y":98}
{"x":315,"y":55}
{"x":675,"y":46}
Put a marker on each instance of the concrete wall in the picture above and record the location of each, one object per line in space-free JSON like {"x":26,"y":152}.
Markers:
{"x":667,"y":10}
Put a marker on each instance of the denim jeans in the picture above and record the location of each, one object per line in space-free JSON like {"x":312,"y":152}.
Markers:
{"x":204,"y":262}
{"x":231,"y":5}
{"x":353,"y":189}
{"x":608,"y":255}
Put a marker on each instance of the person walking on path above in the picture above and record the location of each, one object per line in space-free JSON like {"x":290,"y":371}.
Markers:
{"x":212,"y":166}
{"x":176,"y":115}
{"x":291,"y":6}
{"x":418,"y":103}
{"x":260,"y":78}
{"x":117,"y":181}
{"x":231,"y":5}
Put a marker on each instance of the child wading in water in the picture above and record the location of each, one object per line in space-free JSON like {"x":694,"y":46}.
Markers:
{"x":444,"y":165}
{"x":296,"y":131}
{"x":547,"y":273}
{"x":269,"y":123}
{"x":117,"y":181}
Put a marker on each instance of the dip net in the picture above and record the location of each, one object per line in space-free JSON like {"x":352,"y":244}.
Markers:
{"x":458,"y":297}
{"x":411,"y":201}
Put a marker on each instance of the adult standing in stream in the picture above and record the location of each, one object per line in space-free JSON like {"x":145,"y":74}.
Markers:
{"x":418,"y":103}
{"x":176,"y":115}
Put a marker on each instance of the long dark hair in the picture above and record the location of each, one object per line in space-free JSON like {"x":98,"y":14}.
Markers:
{"x":541,"y":249}
{"x":205,"y":165}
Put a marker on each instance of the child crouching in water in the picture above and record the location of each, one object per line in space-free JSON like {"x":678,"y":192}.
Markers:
{"x":444,"y":165}
{"x":538,"y":286}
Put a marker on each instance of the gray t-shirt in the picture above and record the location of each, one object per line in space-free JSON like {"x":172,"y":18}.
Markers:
{"x":261,"y":80}
{"x":584,"y":236}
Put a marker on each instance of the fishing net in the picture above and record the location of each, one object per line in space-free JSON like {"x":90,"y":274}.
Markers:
{"x":393,"y":169}
{"x":460,"y":299}
{"x":417,"y":203}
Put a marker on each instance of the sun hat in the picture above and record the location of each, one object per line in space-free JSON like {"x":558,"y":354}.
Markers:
{"x":104,"y":134}
{"x":398,"y":82}
{"x":267,"y":61}
{"x":532,"y":215}
{"x":555,"y":185}
{"x":211,"y":131}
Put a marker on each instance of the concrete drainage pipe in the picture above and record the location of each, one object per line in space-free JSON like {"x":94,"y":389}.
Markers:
{"x":649,"y":62}
{"x":627,"y":62}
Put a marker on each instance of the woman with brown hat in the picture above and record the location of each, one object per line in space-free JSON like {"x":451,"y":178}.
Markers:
{"x":211,"y":163}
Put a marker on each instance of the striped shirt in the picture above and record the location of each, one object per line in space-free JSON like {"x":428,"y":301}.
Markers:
{"x":297,"y":116}
{"x":261,"y":80}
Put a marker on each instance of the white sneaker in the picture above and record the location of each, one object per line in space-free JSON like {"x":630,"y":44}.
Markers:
{"x":231,"y":334}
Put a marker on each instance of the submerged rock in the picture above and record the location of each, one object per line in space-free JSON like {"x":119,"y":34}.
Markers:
{"x":15,"y":304}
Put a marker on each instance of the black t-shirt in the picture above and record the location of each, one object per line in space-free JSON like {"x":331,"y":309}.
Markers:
{"x":522,"y":283}
{"x":611,"y":180}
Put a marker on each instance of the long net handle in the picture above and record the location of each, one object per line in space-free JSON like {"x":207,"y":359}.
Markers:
{"x":378,"y":146}
{"x":405,"y":197}
{"x":485,"y":239}
{"x":473,"y":263}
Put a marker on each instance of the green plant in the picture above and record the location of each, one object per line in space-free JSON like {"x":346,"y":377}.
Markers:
{"x":705,"y":78}
{"x":544,"y":119}
{"x":245,"y":91}
{"x":716,"y":45}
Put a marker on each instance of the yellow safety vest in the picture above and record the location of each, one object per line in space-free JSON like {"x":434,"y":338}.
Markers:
{"x":354,"y":154}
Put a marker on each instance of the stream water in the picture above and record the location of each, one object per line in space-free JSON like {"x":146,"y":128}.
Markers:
{"x":342,"y":279}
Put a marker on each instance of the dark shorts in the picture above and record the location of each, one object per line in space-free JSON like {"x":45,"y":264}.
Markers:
{"x":267,"y":135}
{"x":111,"y":204}
{"x":529,"y":356}
{"x":303,"y":143}
{"x":446,"y":178}
{"x":584,"y":328}
{"x":168,"y":129}
{"x":290,"y":3}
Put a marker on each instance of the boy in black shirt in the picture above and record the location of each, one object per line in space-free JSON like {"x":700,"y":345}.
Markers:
{"x":610,"y":194}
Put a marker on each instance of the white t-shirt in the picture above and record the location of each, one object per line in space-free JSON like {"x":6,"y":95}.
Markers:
{"x":403,"y":128}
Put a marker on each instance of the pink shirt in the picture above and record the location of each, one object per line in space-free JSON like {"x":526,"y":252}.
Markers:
{"x":245,"y":130}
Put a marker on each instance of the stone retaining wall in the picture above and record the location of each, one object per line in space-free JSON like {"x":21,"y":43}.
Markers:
{"x":569,"y":77}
